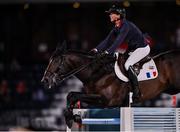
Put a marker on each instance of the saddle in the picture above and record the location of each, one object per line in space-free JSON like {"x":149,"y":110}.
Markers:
{"x":145,"y":69}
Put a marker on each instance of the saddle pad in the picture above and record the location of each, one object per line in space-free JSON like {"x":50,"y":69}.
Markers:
{"x":149,"y":71}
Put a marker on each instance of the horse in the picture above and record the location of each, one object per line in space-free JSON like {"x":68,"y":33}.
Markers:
{"x":100,"y":80}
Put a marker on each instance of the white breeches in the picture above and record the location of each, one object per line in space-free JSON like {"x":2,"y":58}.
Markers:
{"x":136,"y":56}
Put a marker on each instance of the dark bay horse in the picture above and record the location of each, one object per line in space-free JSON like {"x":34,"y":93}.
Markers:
{"x":98,"y":76}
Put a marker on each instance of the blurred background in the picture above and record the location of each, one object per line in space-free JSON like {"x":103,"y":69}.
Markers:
{"x":30,"y":31}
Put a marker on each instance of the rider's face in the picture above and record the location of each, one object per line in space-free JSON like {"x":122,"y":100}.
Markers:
{"x":115,"y":19}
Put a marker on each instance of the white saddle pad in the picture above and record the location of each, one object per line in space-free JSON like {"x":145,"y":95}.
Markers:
{"x":148,"y":71}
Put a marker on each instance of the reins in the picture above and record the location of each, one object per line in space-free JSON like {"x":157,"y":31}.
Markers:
{"x":75,"y":71}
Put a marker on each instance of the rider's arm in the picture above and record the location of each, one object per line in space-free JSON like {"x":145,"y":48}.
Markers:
{"x":120,"y":38}
{"x":105,"y":43}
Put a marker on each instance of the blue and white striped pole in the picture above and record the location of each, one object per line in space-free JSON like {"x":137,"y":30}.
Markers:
{"x":95,"y":121}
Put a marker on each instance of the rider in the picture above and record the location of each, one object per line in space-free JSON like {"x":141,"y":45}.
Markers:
{"x":125,"y":31}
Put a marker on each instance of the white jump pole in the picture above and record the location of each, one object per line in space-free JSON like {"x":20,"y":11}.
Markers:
{"x":126,"y":118}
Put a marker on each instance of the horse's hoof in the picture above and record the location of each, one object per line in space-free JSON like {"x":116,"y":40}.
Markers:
{"x":69,"y":123}
{"x":68,"y":114}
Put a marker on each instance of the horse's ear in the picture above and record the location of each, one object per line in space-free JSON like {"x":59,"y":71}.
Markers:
{"x":62,"y":47}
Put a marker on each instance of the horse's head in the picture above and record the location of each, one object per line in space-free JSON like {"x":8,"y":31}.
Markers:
{"x":63,"y":64}
{"x":55,"y":68}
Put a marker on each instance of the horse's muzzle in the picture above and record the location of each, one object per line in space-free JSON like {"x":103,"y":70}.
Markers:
{"x":46,"y":82}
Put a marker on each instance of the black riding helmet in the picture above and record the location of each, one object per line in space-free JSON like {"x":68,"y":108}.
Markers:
{"x":118,"y":10}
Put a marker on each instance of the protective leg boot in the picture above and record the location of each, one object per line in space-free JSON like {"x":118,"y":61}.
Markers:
{"x":134,"y":83}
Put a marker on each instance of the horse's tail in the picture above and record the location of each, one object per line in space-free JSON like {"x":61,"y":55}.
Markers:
{"x":166,"y":52}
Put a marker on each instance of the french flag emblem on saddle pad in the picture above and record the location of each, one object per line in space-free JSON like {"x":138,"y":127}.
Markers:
{"x":148,"y":71}
{"x":151,"y":74}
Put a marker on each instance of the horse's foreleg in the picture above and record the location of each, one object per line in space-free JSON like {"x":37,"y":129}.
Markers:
{"x":73,"y":98}
{"x":91,"y":100}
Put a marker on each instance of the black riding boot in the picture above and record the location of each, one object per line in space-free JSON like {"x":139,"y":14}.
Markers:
{"x":134,"y":83}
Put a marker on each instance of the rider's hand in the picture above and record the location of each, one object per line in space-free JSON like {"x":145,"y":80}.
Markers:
{"x":93,"y":51}
{"x":102,"y":54}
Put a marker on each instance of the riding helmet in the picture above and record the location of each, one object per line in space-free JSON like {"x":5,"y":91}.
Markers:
{"x":118,"y":10}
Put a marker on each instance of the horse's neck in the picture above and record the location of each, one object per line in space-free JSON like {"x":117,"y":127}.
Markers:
{"x":93,"y":72}
{"x":78,"y":61}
